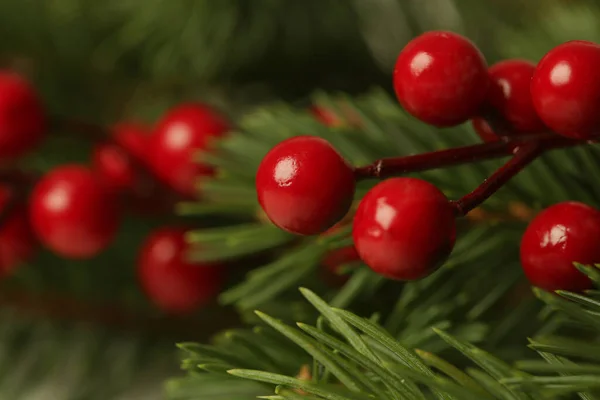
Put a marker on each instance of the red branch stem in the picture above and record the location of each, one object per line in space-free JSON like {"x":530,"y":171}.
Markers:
{"x":521,"y":158}
{"x":387,"y":167}
{"x":523,"y":148}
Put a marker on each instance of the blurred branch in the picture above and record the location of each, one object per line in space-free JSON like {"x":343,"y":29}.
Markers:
{"x":60,"y":307}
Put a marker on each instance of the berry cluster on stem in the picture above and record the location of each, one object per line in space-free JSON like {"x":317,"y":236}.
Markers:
{"x":75,"y":210}
{"x":404,"y":228}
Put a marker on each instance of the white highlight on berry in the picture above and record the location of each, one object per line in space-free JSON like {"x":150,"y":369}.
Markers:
{"x":506,"y":89}
{"x":57,"y":199}
{"x":179,"y":136}
{"x":560,"y":74}
{"x":420,"y":63}
{"x":385,"y":213}
{"x":285,"y":170}
{"x":557,"y":235}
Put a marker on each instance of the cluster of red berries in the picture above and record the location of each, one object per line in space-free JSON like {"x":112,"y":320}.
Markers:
{"x":404,"y":228}
{"x":75,"y":210}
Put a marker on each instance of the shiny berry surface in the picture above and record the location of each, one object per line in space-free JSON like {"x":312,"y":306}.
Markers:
{"x":441,"y":78}
{"x":304,"y":185}
{"x":557,"y":237}
{"x":173,"y":284}
{"x":22,"y":118}
{"x":179,"y":136}
{"x":117,"y":164}
{"x":565,"y":89}
{"x":510,"y":95}
{"x":72,"y":213}
{"x":17,"y":241}
{"x":404,"y":228}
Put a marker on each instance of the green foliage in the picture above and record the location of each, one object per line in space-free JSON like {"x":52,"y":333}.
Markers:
{"x":374,"y":127}
{"x":49,"y":359}
{"x":470,"y":300}
{"x":354,"y":358}
{"x":116,"y":59}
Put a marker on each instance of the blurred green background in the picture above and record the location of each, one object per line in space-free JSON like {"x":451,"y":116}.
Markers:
{"x":111,"y":60}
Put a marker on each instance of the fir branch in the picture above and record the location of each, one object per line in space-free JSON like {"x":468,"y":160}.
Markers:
{"x":392,"y":374}
{"x":398,"y":366}
{"x":373,"y":127}
{"x":60,"y":307}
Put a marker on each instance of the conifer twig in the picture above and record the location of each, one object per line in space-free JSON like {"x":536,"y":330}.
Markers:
{"x":61,"y":307}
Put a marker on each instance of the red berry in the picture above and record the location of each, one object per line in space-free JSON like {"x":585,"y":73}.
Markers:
{"x":304,"y":185}
{"x":404,"y":228}
{"x":117,"y":165}
{"x":557,"y":237}
{"x":134,"y":138}
{"x":22,"y":119}
{"x":441,"y":78}
{"x":17,"y":241}
{"x":174,"y":284}
{"x":180,"y":135}
{"x":484,"y":130}
{"x":72,"y":214}
{"x":565,"y":89}
{"x":337,"y":259}
{"x":510,"y":95}
{"x":326,"y":117}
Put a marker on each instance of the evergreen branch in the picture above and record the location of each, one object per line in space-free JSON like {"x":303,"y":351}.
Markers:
{"x":371,"y":128}
{"x":478,"y":277}
{"x":57,"y":306}
{"x":387,"y":362}
{"x":312,"y":348}
{"x":45,"y":358}
{"x":330,"y":393}
{"x":379,"y":373}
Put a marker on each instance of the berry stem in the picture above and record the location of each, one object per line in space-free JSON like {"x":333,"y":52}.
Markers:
{"x":505,"y":146}
{"x":522,"y":157}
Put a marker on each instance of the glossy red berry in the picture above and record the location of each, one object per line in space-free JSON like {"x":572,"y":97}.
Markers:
{"x":510,"y":95}
{"x":182,"y":133}
{"x":557,"y":237}
{"x":334,"y":261}
{"x":304,"y":185}
{"x":172,"y":283}
{"x":484,"y":130}
{"x":441,"y":78}
{"x":72,"y":213}
{"x":404,"y":228}
{"x":117,"y":165}
{"x":17,"y":241}
{"x":565,"y":89}
{"x":22,"y":118}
